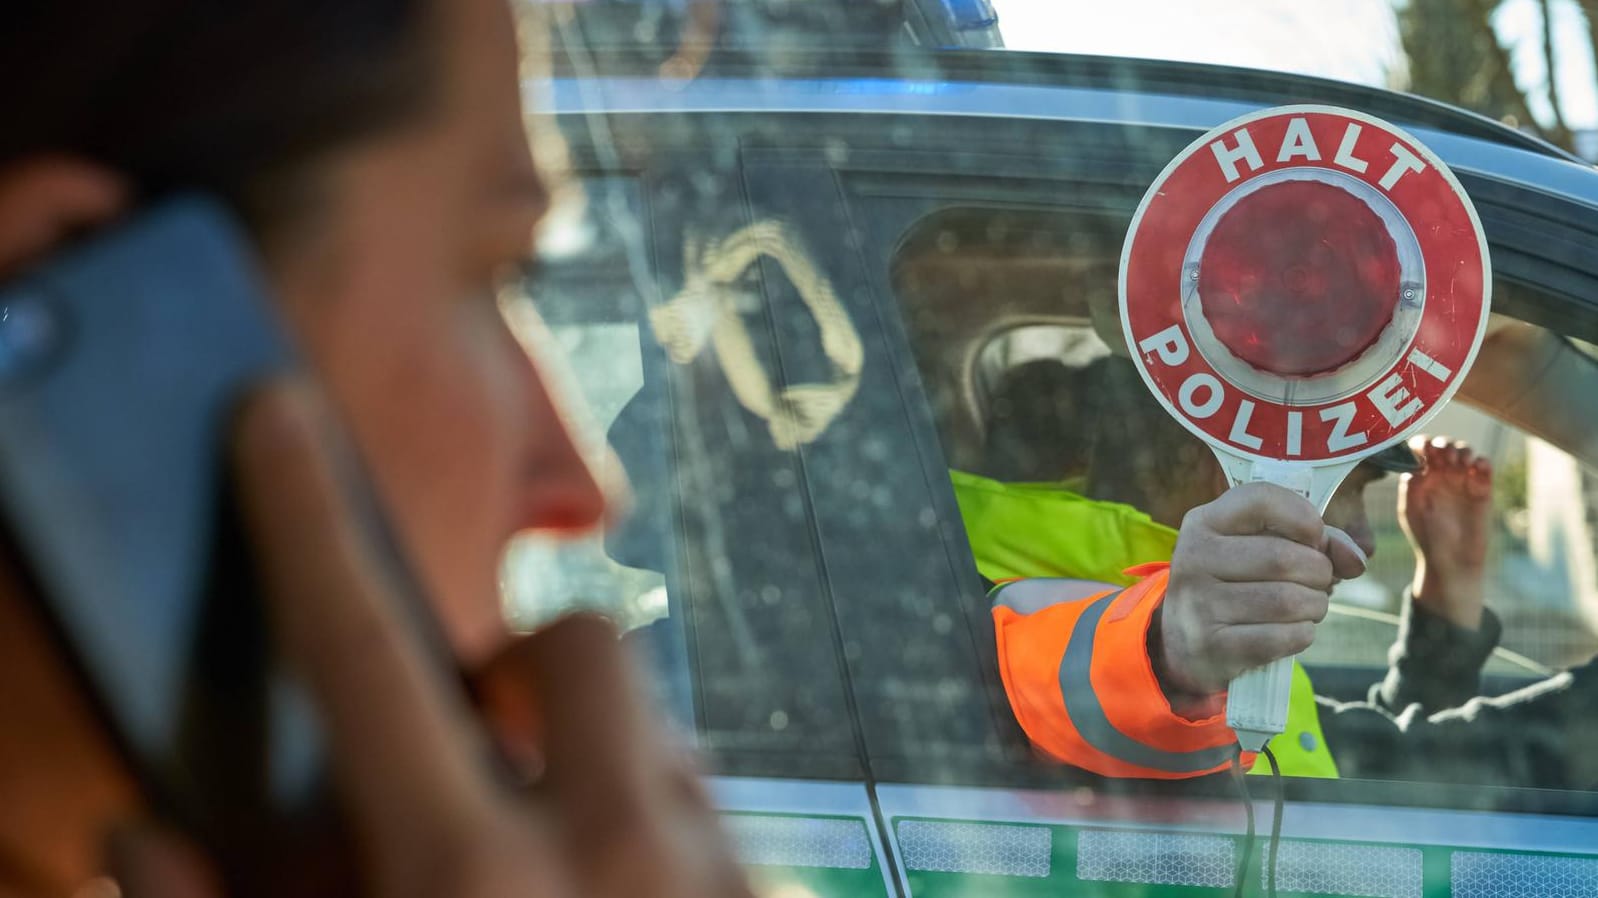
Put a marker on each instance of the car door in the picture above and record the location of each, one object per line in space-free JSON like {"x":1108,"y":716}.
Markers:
{"x":779,"y":541}
{"x":997,"y":831}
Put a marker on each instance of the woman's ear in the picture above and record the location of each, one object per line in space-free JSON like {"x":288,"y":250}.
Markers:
{"x":45,"y":201}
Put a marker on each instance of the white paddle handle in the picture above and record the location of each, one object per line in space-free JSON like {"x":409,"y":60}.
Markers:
{"x":1256,"y":703}
{"x":1257,"y":700}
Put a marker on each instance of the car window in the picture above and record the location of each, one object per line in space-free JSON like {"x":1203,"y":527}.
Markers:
{"x":712,"y":569}
{"x":1011,"y":313}
{"x":773,"y":684}
{"x":589,"y":341}
{"x":1539,"y":562}
{"x":1010,"y":382}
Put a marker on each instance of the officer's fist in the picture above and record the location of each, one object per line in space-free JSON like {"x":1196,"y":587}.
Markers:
{"x":1250,"y":579}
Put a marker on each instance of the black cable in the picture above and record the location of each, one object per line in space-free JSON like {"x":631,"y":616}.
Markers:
{"x":1276,"y":825}
{"x":1241,"y":877}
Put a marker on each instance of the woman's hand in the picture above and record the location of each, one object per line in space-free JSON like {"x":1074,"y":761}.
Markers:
{"x":613,"y":809}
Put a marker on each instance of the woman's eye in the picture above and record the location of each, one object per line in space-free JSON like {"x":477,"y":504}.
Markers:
{"x":530,"y":266}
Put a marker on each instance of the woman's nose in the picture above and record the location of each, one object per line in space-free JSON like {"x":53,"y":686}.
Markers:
{"x":560,"y":490}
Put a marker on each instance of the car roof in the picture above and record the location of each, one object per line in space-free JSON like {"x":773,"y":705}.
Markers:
{"x":1174,"y":79}
{"x":1192,"y":97}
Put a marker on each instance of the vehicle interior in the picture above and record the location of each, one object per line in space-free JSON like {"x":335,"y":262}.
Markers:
{"x":1010,"y":378}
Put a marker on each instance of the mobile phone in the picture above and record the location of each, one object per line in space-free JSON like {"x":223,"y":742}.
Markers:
{"x":121,"y":363}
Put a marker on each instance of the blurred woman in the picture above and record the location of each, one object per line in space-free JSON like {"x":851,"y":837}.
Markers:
{"x":375,"y":150}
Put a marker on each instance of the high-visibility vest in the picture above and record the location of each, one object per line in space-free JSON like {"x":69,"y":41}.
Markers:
{"x":1073,"y":641}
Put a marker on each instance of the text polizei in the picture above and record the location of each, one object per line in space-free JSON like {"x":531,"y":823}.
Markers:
{"x":1202,"y":395}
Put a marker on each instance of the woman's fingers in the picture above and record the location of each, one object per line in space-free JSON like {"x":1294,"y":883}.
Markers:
{"x":636,"y":819}
{"x":621,"y":817}
{"x":149,"y":862}
{"x":597,"y":742}
{"x":401,"y":750}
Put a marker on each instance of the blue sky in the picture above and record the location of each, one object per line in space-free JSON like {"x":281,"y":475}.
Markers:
{"x":1351,"y":40}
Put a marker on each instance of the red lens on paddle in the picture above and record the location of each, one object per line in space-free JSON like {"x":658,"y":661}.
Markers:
{"x":1299,"y":278}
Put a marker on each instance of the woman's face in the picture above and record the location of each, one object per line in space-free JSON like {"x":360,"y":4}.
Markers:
{"x":392,"y":294}
{"x":394,"y":299}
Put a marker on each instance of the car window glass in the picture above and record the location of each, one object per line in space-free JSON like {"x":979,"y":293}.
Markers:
{"x":589,"y":342}
{"x":1539,"y":566}
{"x":713,"y":568}
{"x":800,"y":540}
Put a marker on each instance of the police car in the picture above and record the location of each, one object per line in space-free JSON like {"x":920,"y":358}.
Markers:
{"x":789,"y":294}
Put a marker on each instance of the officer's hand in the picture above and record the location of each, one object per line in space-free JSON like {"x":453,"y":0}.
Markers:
{"x":1250,"y":579}
{"x":614,"y":810}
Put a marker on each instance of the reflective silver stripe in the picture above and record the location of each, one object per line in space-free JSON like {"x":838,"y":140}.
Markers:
{"x":1351,"y":868}
{"x":1478,"y":874}
{"x":1033,"y":595}
{"x":1087,"y":715}
{"x":1156,"y":858}
{"x":965,"y":847}
{"x":834,"y":843}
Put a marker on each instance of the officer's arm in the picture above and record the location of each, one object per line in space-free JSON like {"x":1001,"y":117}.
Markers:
{"x":1247,"y":583}
{"x":1082,"y":685}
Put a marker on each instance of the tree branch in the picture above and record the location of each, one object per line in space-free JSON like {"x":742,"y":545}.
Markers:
{"x":1560,"y":133}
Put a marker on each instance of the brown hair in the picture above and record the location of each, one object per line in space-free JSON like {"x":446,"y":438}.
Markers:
{"x":232,"y":98}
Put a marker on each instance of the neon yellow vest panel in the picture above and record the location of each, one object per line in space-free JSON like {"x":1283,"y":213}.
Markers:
{"x":1046,"y":530}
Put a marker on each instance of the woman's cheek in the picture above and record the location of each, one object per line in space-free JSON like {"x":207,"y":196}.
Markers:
{"x":475,"y":429}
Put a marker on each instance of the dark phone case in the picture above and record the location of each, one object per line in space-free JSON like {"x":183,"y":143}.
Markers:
{"x":120,"y":366}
